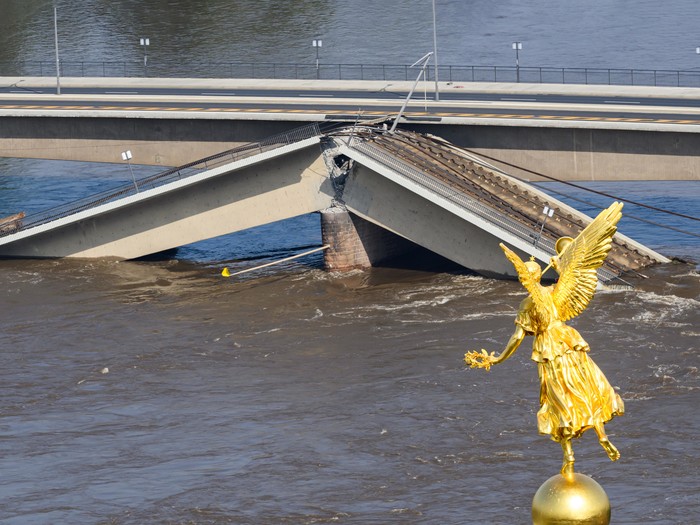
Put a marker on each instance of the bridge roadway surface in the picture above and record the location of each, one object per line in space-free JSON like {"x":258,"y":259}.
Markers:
{"x":420,"y":188}
{"x":621,"y":107}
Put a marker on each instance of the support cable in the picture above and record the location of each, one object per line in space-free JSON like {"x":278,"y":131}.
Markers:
{"x":604,"y":194}
{"x":589,"y":203}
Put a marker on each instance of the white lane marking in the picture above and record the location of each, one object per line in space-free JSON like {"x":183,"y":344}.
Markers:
{"x":314,"y":96}
{"x":27,"y":91}
{"x":621,"y":102}
{"x":520,"y":99}
{"x":213,"y":93}
{"x":121,"y":92}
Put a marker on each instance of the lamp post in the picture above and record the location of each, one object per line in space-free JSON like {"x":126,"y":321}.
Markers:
{"x":548,"y":213}
{"x":126,"y":156}
{"x":317,"y":44}
{"x":517,"y":46}
{"x":145,"y":42}
{"x":435,"y":55}
{"x":58,"y":62}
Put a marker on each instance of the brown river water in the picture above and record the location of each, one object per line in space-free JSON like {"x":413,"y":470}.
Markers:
{"x":162,"y":393}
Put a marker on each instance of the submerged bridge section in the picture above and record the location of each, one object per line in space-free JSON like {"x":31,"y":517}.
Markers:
{"x":379,"y":193}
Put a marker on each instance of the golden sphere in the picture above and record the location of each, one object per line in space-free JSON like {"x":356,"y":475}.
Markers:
{"x":562,"y":243}
{"x":573,"y":499}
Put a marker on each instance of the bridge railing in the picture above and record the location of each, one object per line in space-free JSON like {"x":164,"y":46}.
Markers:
{"x":270,"y":70}
{"x":171,"y":175}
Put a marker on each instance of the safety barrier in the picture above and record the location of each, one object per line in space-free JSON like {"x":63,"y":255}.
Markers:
{"x":446,"y":73}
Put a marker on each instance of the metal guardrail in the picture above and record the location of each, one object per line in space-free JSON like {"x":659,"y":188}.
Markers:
{"x":269,"y":70}
{"x":171,"y":175}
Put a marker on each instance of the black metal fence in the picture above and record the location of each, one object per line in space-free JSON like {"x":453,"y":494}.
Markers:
{"x":446,"y":73}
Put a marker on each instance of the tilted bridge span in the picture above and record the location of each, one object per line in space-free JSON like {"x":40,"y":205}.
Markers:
{"x":380,"y":194}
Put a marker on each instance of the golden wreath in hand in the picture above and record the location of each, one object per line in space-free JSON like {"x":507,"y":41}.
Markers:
{"x":481,"y":359}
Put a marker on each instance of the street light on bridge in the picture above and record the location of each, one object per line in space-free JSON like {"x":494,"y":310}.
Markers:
{"x":517,"y":46}
{"x":58,"y":60}
{"x":126,"y":156}
{"x":145,"y":42}
{"x":317,"y":44}
{"x":435,"y":55}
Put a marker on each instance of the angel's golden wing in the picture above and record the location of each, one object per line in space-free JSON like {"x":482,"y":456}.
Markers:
{"x":579,"y":261}
{"x":531,"y":284}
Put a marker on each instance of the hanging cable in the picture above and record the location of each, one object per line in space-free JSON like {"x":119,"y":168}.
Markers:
{"x":588,"y":203}
{"x":661,"y":210}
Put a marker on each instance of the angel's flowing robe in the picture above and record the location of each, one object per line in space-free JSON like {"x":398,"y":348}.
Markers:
{"x":574,"y":393}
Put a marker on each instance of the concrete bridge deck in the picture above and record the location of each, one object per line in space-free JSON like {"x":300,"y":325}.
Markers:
{"x":420,"y":189}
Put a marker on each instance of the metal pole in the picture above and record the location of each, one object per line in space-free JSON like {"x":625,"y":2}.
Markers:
{"x":548,"y":212}
{"x":435,"y":55}
{"x":317,"y":44}
{"x":424,"y":61}
{"x":227,"y":273}
{"x":126,"y":155}
{"x":132,"y":175}
{"x":58,"y":62}
{"x":517,"y":46}
{"x":145,"y":42}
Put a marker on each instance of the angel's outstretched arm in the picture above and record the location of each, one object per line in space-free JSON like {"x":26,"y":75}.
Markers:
{"x":485,"y":360}
{"x":513,"y":344}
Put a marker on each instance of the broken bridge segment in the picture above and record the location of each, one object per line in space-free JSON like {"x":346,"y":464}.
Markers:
{"x":438,"y":196}
{"x":279,"y":178}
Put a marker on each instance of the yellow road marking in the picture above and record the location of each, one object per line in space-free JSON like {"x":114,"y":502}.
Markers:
{"x":343,"y":111}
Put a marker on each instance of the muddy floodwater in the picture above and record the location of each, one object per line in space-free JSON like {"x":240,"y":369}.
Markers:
{"x":159,"y":392}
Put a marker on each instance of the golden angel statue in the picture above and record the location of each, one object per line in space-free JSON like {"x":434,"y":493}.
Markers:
{"x":574,"y":394}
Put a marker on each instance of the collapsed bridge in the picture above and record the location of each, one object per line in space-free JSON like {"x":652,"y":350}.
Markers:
{"x":379,"y":193}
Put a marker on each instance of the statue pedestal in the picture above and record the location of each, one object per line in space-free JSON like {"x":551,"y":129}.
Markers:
{"x":574,"y":499}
